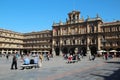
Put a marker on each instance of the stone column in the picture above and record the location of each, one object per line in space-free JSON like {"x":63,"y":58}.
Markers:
{"x":88,"y":48}
{"x":99,"y":42}
{"x":60,"y":49}
{"x":53,"y":52}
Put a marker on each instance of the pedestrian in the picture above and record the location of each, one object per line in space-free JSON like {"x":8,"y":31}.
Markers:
{"x":106,"y":56}
{"x":14,"y":62}
{"x":93,"y":57}
{"x":70,"y":58}
{"x":48,"y":56}
{"x":89,"y":55}
{"x":40,"y":60}
{"x":21,"y":56}
{"x":36,"y":59}
{"x":7,"y":56}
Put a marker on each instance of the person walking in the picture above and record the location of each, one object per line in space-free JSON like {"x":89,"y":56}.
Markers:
{"x":14,"y":62}
{"x":89,"y":55}
{"x":40,"y":60}
{"x":7,"y":56}
{"x":48,"y":56}
{"x":106,"y":56}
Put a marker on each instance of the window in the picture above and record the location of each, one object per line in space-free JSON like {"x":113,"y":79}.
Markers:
{"x":64,"y":42}
{"x":73,"y":17}
{"x":117,"y":28}
{"x":92,"y":28}
{"x":110,"y":43}
{"x":83,"y":41}
{"x":118,"y":43}
{"x":73,"y":41}
{"x":93,"y":40}
{"x":57,"y":42}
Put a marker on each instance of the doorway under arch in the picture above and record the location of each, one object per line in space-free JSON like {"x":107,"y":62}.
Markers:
{"x":71,"y":50}
{"x":93,"y":50}
{"x":64,"y":50}
{"x":57,"y":49}
{"x":83,"y":51}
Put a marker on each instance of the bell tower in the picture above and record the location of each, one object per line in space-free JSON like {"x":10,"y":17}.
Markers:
{"x":74,"y":16}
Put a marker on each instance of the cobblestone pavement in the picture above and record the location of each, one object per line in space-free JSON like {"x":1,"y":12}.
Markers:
{"x":58,"y":69}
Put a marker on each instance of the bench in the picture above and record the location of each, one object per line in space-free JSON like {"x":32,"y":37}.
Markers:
{"x":72,"y":61}
{"x":29,"y":66}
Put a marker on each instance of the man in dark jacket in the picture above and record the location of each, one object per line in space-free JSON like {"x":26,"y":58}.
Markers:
{"x":14,"y":62}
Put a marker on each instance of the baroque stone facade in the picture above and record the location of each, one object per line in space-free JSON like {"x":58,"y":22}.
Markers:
{"x":91,"y":35}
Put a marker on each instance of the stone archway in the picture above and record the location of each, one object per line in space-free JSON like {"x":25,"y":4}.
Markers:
{"x":110,"y":49}
{"x":57,"y":49}
{"x":111,"y":53}
{"x":118,"y":52}
{"x":118,"y":49}
{"x":71,"y":50}
{"x":64,"y":50}
{"x":83,"y":51}
{"x":93,"y":50}
{"x":25,"y":51}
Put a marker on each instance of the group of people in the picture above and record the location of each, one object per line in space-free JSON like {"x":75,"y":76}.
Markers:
{"x":37,"y":59}
{"x":73,"y":57}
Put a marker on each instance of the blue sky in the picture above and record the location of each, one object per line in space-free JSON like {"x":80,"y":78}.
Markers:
{"x":37,"y":15}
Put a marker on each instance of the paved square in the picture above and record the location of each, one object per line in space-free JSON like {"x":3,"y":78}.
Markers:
{"x":58,"y":69}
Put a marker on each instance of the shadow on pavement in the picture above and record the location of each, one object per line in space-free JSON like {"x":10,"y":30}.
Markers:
{"x":113,"y":62}
{"x":114,"y":76}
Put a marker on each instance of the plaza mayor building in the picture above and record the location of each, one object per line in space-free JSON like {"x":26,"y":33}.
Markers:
{"x":10,"y":41}
{"x":85,"y":35}
{"x":38,"y":42}
{"x":33,"y":42}
{"x":75,"y":35}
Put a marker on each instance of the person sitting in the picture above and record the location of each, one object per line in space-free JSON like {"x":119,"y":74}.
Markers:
{"x":70,"y":58}
{"x":31,"y":61}
{"x":26,"y":61}
{"x":36,"y":60}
